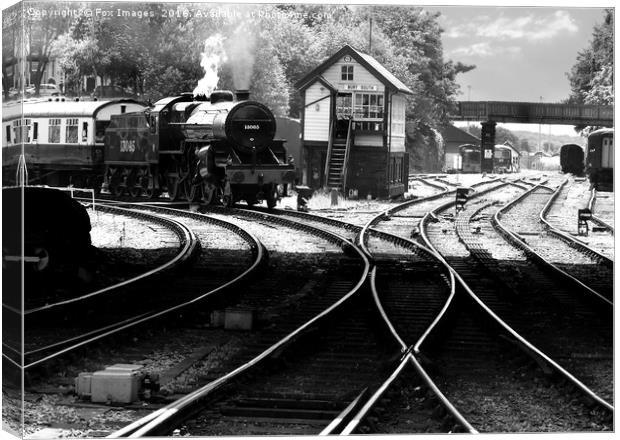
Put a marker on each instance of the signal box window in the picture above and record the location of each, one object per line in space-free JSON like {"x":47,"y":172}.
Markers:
{"x":347,"y":72}
{"x":71,"y":131}
{"x":54,"y":131}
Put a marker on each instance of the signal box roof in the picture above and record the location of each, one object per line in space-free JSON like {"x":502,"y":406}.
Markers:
{"x":371,"y":64}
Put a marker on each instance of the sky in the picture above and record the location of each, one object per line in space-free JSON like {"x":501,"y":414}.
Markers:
{"x":520,"y":53}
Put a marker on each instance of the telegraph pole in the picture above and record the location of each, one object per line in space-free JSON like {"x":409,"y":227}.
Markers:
{"x":539,"y":127}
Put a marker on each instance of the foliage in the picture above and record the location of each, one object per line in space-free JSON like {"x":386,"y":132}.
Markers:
{"x":159,"y":54}
{"x":591,"y":77}
{"x":501,"y":135}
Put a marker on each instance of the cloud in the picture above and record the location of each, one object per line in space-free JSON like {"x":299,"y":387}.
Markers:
{"x":484,"y":50}
{"x":526,"y":27}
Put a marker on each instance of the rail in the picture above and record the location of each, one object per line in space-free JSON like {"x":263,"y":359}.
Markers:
{"x":155,"y":422}
{"x":530,"y":349}
{"x":260,"y":255}
{"x":405,"y":348}
{"x":518,"y":241}
{"x":595,"y":218}
{"x":566,"y":237}
{"x":189,"y":244}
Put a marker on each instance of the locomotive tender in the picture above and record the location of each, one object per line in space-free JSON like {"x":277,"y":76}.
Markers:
{"x":571,"y":159}
{"x":600,"y":159}
{"x":216,"y":148}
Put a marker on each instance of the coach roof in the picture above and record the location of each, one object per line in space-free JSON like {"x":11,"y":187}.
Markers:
{"x":46,"y":108}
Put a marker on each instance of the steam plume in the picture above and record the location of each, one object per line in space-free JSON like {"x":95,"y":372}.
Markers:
{"x":212,"y":58}
{"x":240,"y":49}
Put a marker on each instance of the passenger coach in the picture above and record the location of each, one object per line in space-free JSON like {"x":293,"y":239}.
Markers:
{"x":62,"y":141}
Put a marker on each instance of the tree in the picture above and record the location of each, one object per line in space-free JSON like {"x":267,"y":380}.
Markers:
{"x":42,"y":33}
{"x":591,"y":77}
{"x":524,"y":145}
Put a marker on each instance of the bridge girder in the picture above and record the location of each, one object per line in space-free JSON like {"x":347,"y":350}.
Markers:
{"x":535,"y":113}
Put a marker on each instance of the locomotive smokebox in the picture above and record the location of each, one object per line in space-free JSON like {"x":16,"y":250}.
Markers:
{"x":242,"y":95}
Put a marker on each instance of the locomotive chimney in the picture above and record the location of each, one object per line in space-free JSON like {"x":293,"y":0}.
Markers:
{"x":242,"y":95}
{"x":220,"y":95}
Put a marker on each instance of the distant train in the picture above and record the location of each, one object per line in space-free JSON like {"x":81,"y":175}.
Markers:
{"x":600,"y":159}
{"x":506,"y":159}
{"x":572,"y":159}
{"x":221,"y":148}
{"x":470,"y":158}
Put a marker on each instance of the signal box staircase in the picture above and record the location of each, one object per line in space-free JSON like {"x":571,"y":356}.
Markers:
{"x":336,"y":165}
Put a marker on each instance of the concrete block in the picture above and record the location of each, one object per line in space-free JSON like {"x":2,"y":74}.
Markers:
{"x":83,"y":384}
{"x":217,"y":318}
{"x":239,"y":319}
{"x":116,"y":385}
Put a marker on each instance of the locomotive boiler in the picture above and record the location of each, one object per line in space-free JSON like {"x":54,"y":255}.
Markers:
{"x":216,"y":148}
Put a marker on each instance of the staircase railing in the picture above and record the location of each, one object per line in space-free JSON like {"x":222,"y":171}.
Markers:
{"x":345,"y":167}
{"x":329,"y":152}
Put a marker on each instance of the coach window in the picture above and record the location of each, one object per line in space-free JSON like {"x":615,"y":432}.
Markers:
{"x":71,"y":131}
{"x":84,"y":131}
{"x":153,"y":124}
{"x":26,"y":130}
{"x":35,"y":131}
{"x":8,"y":134}
{"x":17,"y":131}
{"x":54,"y":131}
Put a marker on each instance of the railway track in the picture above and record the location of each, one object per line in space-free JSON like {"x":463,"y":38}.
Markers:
{"x":562,"y":214}
{"x":604,"y":213}
{"x":524,"y":217}
{"x":521,"y":294}
{"x":296,"y":293}
{"x":145,"y":301}
{"x":493,"y":382}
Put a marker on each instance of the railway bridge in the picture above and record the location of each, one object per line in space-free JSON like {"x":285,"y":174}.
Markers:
{"x":492,"y":112}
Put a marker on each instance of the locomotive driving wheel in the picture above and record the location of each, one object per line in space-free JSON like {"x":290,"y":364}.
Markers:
{"x":228,"y":199}
{"x":173,"y":187}
{"x":271,"y":195}
{"x":133,"y":185}
{"x":194,"y":191}
{"x":148,"y":186}
{"x":209,"y":193}
{"x":116,"y":180}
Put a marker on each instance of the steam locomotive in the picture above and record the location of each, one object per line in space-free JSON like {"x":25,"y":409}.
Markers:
{"x":220,"y":148}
